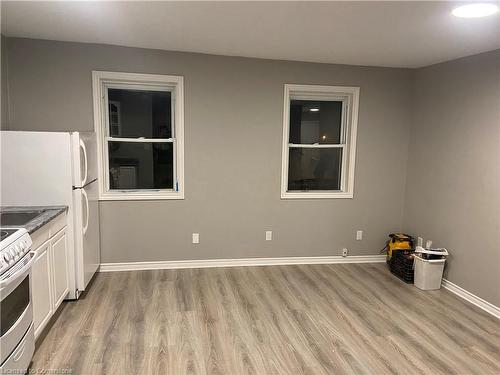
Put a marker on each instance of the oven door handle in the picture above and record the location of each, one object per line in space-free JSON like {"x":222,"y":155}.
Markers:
{"x":20,"y":272}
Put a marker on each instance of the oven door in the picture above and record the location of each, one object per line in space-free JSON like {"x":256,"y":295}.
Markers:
{"x":15,"y":305}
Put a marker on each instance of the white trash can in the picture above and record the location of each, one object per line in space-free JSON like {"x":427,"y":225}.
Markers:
{"x":428,"y":272}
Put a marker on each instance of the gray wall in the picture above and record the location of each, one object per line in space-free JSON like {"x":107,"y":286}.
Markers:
{"x":4,"y":93}
{"x":453,"y":186}
{"x":233,"y":130}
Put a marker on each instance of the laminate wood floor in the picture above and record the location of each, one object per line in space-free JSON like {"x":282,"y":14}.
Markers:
{"x":307,"y":319}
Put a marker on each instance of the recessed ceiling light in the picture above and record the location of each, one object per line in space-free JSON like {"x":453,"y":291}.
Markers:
{"x":314,"y":109}
{"x":475,"y":10}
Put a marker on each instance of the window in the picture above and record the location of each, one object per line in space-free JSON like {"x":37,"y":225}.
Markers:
{"x":139,"y":124}
{"x":319,"y":141}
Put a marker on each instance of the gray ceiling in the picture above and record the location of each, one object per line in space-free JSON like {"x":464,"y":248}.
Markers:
{"x":401,"y":34}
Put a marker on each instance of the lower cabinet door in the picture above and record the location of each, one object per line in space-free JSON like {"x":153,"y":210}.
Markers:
{"x":41,"y":288}
{"x":59,"y":250}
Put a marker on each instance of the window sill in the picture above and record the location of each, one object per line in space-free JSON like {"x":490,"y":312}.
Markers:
{"x":141,"y":196}
{"x":316,"y":195}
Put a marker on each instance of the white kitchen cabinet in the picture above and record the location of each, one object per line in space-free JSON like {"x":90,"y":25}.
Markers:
{"x":42,"y":288}
{"x":50,"y":272}
{"x":59,"y":250}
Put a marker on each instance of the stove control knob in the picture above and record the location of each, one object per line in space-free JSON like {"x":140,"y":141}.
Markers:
{"x":12,"y":252}
{"x":6,"y":257}
{"x":9,"y":258}
{"x":22,"y":246}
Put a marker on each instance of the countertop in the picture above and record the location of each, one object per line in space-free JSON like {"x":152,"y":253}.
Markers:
{"x":33,"y":225}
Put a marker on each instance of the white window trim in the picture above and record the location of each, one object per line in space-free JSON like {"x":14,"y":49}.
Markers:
{"x":350,"y":97}
{"x":101,"y":80}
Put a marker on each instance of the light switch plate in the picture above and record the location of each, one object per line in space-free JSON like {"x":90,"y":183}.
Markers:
{"x":269,"y":235}
{"x":196,"y":238}
{"x":359,"y":235}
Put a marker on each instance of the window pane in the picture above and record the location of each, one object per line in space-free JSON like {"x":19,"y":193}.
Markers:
{"x":314,"y":168}
{"x":315,"y":121}
{"x":137,"y":113}
{"x":141,"y":165}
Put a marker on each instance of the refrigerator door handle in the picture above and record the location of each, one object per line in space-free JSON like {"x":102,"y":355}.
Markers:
{"x":87,"y":211}
{"x":85,"y":162}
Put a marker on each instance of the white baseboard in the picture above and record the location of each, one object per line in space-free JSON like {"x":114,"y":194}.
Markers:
{"x":244,"y":262}
{"x":472,"y":298}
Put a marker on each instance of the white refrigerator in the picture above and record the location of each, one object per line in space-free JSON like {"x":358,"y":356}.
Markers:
{"x":54,"y":168}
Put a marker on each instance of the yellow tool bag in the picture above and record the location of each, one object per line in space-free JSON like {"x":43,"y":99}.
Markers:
{"x":397,"y":241}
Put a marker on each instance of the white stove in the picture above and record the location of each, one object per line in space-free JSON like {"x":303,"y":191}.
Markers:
{"x":17,"y":341}
{"x":14,"y":244}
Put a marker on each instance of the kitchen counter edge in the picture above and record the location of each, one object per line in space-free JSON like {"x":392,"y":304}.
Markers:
{"x":32,"y":226}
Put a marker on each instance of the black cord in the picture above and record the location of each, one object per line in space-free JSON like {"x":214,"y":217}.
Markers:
{"x":384,"y":248}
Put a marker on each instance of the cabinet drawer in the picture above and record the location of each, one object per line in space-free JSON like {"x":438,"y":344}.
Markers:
{"x":20,"y":358}
{"x":40,"y":236}
{"x":48,"y":230}
{"x":57,"y":224}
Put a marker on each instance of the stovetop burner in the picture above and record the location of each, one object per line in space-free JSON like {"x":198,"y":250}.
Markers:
{"x":6,"y":233}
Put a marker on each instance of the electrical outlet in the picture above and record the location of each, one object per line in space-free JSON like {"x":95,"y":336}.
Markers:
{"x":359,"y":235}
{"x":269,"y":235}
{"x":428,"y":244}
{"x":420,"y":241}
{"x":345,"y":252}
{"x":196,"y":238}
